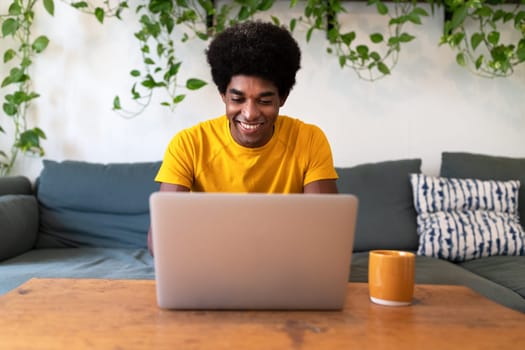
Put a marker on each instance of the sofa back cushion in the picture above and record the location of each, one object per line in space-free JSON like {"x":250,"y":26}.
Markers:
{"x":386,"y":217}
{"x":95,"y":205}
{"x":485,"y":167}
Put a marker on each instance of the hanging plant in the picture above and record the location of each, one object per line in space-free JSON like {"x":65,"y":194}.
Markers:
{"x":17,"y":25}
{"x":474,"y":30}
{"x":198,"y":19}
{"x":370,"y":60}
{"x":102,"y":9}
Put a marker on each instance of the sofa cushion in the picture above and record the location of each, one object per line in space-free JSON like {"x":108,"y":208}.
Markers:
{"x":107,"y":263}
{"x":95,"y":205}
{"x":386,"y":216}
{"x":485,"y":167}
{"x":464,"y":219}
{"x":508,"y":271}
{"x":18,"y":224}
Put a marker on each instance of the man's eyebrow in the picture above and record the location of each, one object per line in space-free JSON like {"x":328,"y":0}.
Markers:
{"x":262,"y":94}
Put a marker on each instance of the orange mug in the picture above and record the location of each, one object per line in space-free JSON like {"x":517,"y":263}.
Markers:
{"x":391,"y":277}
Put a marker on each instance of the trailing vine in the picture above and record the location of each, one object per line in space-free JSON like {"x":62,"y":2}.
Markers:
{"x":194,"y":19}
{"x":17,"y":24}
{"x":474,"y":30}
{"x":370,"y":61}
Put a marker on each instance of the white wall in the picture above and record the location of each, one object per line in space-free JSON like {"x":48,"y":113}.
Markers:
{"x":428,"y":105}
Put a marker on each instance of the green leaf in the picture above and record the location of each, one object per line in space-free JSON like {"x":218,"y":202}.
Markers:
{"x":178,"y":98}
{"x":460,"y":59}
{"x":508,"y":16}
{"x":493,"y":38}
{"x":484,"y":11}
{"x":293,"y":23}
{"x":405,"y":38}
{"x":99,"y":14}
{"x":157,"y":6}
{"x":475,"y":40}
{"x":79,"y":4}
{"x":520,"y":17}
{"x":265,"y":5}
{"x":10,"y":26}
{"x":40,"y":44}
{"x":479,"y":62}
{"x":202,"y":35}
{"x":16,"y":75}
{"x":420,"y":11}
{"x":520,"y":53}
{"x":116,"y":103}
{"x":309,"y":34}
{"x":9,"y":55}
{"x":414,"y":18}
{"x":26,"y":62}
{"x":375,"y":56}
{"x":10,"y":109}
{"x":457,"y":39}
{"x":194,"y":84}
{"x":29,"y":141}
{"x":458,"y":17}
{"x":382,"y":9}
{"x":348,"y":38}
{"x":135,"y":73}
{"x":376,"y":38}
{"x":6,"y":81}
{"x":383,"y":68}
{"x":49,"y":5}
{"x":342,"y":61}
{"x":15,"y":9}
{"x":498,"y":15}
{"x":362,"y":50}
{"x":243,"y":14}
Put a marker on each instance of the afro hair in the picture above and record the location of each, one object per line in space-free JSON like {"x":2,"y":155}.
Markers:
{"x":255,"y":48}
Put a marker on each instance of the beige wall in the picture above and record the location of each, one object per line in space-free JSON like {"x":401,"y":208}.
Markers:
{"x":428,"y":105}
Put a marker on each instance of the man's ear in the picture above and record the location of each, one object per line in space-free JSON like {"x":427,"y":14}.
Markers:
{"x":223,"y":96}
{"x":282,"y":99}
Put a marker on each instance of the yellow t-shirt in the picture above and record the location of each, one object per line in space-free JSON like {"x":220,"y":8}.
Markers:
{"x":206,"y":158}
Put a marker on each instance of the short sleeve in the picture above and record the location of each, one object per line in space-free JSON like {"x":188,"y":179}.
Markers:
{"x":320,"y":164}
{"x":177,"y":165}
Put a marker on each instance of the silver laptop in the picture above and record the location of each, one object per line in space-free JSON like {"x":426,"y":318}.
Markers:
{"x":252,"y":251}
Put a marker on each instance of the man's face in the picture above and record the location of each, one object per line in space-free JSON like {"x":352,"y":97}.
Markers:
{"x":252,"y":106}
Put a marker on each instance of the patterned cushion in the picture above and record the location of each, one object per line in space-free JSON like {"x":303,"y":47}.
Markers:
{"x":464,"y":219}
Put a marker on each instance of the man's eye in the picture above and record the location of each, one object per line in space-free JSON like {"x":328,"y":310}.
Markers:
{"x":237,"y":99}
{"x":265,"y":102}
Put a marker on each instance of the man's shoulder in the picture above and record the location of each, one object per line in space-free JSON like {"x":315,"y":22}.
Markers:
{"x":207,"y":127}
{"x":211,"y":124}
{"x":295,"y":125}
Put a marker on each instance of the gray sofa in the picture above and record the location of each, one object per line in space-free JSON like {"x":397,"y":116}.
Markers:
{"x":87,"y":220}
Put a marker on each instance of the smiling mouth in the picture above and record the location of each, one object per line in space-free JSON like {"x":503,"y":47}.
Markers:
{"x":249,"y":127}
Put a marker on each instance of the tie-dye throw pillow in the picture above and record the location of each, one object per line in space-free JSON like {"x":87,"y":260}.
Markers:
{"x":464,"y":219}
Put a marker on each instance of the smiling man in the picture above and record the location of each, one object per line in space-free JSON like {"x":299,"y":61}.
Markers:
{"x":252,"y":148}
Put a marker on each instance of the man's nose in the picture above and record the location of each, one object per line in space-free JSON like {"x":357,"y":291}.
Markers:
{"x":250,"y":110}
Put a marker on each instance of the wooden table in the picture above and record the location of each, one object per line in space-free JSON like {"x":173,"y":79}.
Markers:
{"x":123,"y":314}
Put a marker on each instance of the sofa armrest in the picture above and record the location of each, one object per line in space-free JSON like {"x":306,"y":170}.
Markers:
{"x":18,"y":224}
{"x":15,"y":185}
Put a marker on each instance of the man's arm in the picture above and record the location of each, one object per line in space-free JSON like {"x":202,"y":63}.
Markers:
{"x":165,"y":187}
{"x":321,"y":186}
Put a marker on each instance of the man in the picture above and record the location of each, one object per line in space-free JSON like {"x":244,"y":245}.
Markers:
{"x":252,"y":148}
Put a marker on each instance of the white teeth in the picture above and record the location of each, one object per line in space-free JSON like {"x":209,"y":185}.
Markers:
{"x":249,"y":126}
